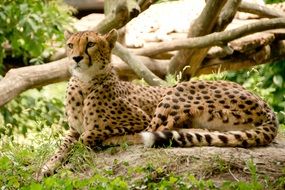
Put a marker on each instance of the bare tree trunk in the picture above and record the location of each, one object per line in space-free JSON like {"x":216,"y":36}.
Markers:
{"x":116,"y":18}
{"x":144,"y":4}
{"x":203,"y":25}
{"x":227,"y":15}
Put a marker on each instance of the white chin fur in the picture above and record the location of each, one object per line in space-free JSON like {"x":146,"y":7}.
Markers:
{"x":148,"y":138}
{"x":82,"y":76}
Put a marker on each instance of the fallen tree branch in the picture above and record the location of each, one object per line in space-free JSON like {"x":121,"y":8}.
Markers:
{"x":251,"y":42}
{"x":21,"y":79}
{"x":260,"y":10}
{"x":24,"y":78}
{"x":159,"y":67}
{"x":218,"y":38}
{"x":272,"y":53}
{"x":219,"y":51}
{"x":139,"y":68}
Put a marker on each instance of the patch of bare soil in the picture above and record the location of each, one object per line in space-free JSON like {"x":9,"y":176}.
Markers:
{"x":218,"y":164}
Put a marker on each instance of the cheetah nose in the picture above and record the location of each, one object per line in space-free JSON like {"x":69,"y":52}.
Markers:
{"x":77,"y":58}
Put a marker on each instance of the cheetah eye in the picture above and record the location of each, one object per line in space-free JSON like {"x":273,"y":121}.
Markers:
{"x":90,"y":44}
{"x":70,"y":45}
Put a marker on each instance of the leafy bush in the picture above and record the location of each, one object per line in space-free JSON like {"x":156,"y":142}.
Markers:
{"x":29,"y":27}
{"x":274,"y":1}
{"x":34,"y":110}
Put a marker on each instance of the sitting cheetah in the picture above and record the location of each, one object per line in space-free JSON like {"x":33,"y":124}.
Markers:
{"x":99,"y":106}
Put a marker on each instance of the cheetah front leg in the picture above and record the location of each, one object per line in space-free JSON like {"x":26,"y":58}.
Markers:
{"x":50,"y":166}
{"x":74,"y":103}
{"x":121,"y":123}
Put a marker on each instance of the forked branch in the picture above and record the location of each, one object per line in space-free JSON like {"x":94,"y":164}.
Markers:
{"x":203,"y":25}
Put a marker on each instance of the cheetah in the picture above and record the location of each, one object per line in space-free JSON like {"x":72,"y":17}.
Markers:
{"x":100,"y":107}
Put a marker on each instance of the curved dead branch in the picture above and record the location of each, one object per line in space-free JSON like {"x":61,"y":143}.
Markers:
{"x":218,"y":39}
{"x":138,"y":67}
{"x":260,"y":10}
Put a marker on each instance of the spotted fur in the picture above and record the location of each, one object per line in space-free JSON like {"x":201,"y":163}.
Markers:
{"x":100,"y":107}
{"x":229,"y":114}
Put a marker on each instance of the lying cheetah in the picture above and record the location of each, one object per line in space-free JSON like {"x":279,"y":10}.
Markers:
{"x":99,"y":106}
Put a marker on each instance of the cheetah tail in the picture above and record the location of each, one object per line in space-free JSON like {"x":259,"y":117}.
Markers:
{"x":260,"y":136}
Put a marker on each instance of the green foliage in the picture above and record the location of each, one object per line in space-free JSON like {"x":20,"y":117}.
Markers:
{"x":268,"y":81}
{"x":34,"y":110}
{"x":30,"y":27}
{"x":274,"y":1}
{"x":19,"y":162}
{"x":15,"y":160}
{"x":160,"y":178}
{"x":171,"y":79}
{"x":254,"y":183}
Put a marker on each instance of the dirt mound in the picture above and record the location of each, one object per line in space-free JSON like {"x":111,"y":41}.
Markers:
{"x":214,"y":163}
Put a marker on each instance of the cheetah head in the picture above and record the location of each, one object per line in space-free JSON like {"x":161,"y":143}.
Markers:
{"x":90,"y":52}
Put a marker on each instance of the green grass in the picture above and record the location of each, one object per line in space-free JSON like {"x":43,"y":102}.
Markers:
{"x":19,"y":162}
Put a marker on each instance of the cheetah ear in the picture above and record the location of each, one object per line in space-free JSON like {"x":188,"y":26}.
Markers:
{"x":112,"y":37}
{"x":67,"y":34}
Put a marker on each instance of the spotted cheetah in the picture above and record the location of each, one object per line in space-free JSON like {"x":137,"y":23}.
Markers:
{"x":197,"y":113}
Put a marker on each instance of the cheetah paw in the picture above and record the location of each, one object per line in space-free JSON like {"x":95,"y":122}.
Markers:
{"x":44,"y":172}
